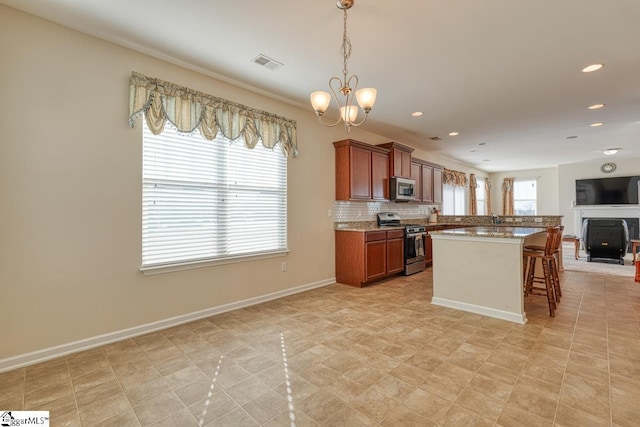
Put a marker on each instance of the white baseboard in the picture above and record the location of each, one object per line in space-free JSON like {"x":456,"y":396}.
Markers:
{"x":478,"y":309}
{"x":26,"y":359}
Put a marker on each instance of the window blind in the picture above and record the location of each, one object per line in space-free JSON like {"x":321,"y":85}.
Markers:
{"x":453,"y":200}
{"x":210,"y":200}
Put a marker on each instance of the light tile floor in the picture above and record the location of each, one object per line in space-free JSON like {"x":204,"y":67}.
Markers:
{"x":380,"y":355}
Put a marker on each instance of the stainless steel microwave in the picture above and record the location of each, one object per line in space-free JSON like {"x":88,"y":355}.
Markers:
{"x":402,"y":189}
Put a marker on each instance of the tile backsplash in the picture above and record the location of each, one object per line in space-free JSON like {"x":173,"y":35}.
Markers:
{"x":366,"y":211}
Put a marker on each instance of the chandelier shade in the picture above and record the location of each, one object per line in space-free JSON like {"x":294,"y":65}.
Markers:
{"x":344,"y":89}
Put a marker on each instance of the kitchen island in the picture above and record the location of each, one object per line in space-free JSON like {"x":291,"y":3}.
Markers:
{"x":480,"y":269}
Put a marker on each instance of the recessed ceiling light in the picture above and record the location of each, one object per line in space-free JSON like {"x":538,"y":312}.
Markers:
{"x":475,"y":151}
{"x":486,"y":160}
{"x":610,"y":151}
{"x":572,"y":137}
{"x":482,"y":143}
{"x":416,"y":113}
{"x":453,"y":133}
{"x":595,"y":125}
{"x":592,"y":67}
{"x":595,"y":106}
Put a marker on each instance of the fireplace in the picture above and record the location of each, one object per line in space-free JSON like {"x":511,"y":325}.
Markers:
{"x":630,"y":214}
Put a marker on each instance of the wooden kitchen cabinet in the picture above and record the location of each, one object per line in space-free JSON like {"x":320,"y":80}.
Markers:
{"x":362,"y":171}
{"x":399,"y":159}
{"x":437,"y":185}
{"x":375,"y":255}
{"x":428,"y":244}
{"x":379,"y":176}
{"x":428,"y":177}
{"x":416,"y":175}
{"x":366,"y":257}
{"x":427,"y":183}
{"x":395,"y":252}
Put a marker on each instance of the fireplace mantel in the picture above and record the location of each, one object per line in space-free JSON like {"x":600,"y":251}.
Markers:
{"x":582,"y":212}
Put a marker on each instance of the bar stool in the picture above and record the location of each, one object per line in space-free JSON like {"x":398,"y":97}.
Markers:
{"x":634,"y":247}
{"x":547,"y":257}
{"x":555,"y":264}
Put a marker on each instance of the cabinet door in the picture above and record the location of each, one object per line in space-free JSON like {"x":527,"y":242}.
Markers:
{"x":380,"y":176}
{"x":395,"y":255}
{"x":437,"y":185}
{"x":360,"y":165}
{"x":427,"y":183}
{"x":405,"y":164}
{"x":416,"y":174}
{"x":376,"y":259}
{"x":428,"y":250}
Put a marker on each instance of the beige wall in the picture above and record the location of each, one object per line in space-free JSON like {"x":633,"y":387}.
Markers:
{"x":547,"y":189}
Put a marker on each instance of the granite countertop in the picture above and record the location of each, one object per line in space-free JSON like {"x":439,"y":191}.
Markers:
{"x":365,"y":226}
{"x":497,"y":231}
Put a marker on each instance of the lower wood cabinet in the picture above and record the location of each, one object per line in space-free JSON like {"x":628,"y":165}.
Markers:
{"x":363,"y":257}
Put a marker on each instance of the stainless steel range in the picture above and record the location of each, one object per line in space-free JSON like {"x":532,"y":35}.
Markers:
{"x":414,"y":235}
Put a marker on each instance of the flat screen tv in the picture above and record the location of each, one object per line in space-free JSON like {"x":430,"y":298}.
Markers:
{"x":619,"y":190}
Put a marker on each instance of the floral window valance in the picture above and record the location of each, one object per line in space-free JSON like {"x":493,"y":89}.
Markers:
{"x":455,"y":178}
{"x":188,"y":110}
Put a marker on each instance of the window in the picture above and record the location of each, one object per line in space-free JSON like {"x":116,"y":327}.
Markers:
{"x":524,"y":197}
{"x":210,"y":200}
{"x":453,"y":200}
{"x":481,"y":196}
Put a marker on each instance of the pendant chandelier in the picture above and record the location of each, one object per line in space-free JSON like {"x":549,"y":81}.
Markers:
{"x":344,"y":89}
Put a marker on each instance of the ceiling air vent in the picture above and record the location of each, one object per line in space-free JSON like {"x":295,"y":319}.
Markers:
{"x":435,"y":138}
{"x":267,"y":62}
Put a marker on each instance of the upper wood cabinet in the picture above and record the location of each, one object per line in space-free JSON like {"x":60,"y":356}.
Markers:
{"x":379,"y":176}
{"x":437,"y":185}
{"x":362,"y":171}
{"x":399,"y":159}
{"x":416,"y":174}
{"x":428,"y":177}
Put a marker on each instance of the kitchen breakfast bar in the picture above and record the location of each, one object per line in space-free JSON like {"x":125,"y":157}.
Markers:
{"x":480,"y":269}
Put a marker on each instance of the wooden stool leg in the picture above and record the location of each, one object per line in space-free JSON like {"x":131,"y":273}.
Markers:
{"x":549,"y":286}
{"x":555,"y":276}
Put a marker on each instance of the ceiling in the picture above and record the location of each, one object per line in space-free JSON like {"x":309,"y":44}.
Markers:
{"x":505,"y":74}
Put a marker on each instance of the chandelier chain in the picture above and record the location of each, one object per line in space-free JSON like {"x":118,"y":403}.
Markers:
{"x":346,"y":47}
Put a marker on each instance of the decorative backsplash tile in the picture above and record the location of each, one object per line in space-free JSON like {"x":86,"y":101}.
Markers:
{"x":366,"y":211}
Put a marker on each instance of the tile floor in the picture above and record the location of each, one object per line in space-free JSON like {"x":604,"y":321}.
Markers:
{"x":381,"y":355}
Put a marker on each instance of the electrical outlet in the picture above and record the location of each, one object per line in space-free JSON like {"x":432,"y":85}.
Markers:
{"x":508,"y":220}
{"x":458,"y":219}
{"x":518,"y":219}
{"x":284,"y":266}
{"x":329,"y":213}
{"x":537,"y":219}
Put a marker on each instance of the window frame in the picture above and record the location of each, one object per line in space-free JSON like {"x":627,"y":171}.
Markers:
{"x":516,"y":181}
{"x":219,"y":224}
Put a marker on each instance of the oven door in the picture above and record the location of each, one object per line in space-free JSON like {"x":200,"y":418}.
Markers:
{"x":414,"y":247}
